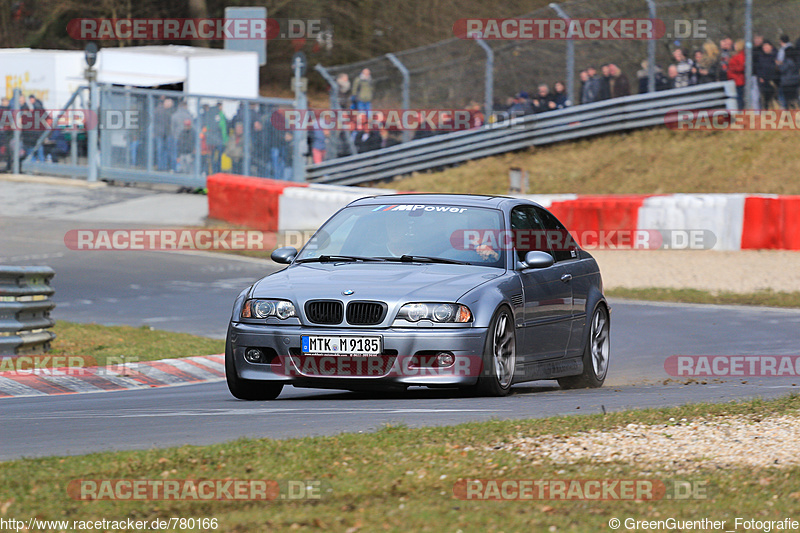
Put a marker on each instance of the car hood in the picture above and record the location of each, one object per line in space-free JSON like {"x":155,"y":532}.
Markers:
{"x":388,"y":282}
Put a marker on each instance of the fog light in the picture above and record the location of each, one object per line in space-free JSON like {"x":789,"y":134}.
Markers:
{"x":253,"y":355}
{"x":445,"y":359}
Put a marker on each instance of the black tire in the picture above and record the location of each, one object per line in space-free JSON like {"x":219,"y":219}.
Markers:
{"x":596,"y":354}
{"x":499,"y":356}
{"x":247,"y":389}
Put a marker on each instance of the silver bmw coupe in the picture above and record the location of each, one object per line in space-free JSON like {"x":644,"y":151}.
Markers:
{"x":435,"y":290}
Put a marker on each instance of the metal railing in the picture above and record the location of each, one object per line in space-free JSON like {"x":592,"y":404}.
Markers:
{"x":620,"y":114}
{"x":173,"y":137}
{"x":25,"y":307}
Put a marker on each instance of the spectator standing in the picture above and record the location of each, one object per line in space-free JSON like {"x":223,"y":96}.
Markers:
{"x":34,"y":104}
{"x":520,"y":105}
{"x":736,"y":71}
{"x":543,"y":101}
{"x":280,"y":151}
{"x":30,"y":137}
{"x":177,"y":121}
{"x":216,"y":125}
{"x":767,"y":74}
{"x":161,"y":132}
{"x":5,"y":105}
{"x":726,"y":52}
{"x":787,"y":63}
{"x":343,"y":90}
{"x":684,"y":67}
{"x":618,"y":82}
{"x":560,"y":96}
{"x":318,"y":144}
{"x":388,"y":138}
{"x":708,"y":68}
{"x":235,"y":148}
{"x":662,"y":82}
{"x":238,"y":116}
{"x":260,"y":153}
{"x":755,"y":96}
{"x":363,"y":89}
{"x":367,"y":140}
{"x":584,"y":77}
{"x":642,"y":77}
{"x":186,"y":146}
{"x":592,"y":88}
{"x":476,"y":117}
{"x":672,"y":75}
{"x":604,"y":83}
{"x":694,"y":76}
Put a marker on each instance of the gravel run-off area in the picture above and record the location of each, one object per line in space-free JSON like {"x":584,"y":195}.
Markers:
{"x":678,"y":445}
{"x":743,"y":271}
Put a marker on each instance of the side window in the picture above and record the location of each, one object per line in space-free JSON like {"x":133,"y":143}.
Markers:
{"x":528,"y":232}
{"x":559,"y":240}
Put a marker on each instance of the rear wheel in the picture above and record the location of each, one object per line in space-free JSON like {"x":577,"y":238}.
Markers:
{"x":595,"y":355}
{"x":247,"y":389}
{"x":499,"y":357}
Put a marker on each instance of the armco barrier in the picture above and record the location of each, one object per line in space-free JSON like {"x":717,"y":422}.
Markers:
{"x":251,"y":202}
{"x":771,"y":222}
{"x":25,"y":307}
{"x":576,"y":122}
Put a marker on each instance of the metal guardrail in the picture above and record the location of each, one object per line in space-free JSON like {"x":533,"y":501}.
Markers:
{"x":619,"y":114}
{"x":25,"y":307}
{"x":136,"y":152}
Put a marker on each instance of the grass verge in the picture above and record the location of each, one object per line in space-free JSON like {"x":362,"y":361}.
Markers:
{"x":401,"y":479}
{"x":650,"y":161}
{"x":136,"y":344}
{"x":767,"y":298}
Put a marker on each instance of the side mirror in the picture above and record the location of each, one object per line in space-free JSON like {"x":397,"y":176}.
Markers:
{"x":284,"y":255}
{"x":537,"y":259}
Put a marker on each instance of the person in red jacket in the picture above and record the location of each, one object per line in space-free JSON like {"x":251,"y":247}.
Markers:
{"x":736,"y":71}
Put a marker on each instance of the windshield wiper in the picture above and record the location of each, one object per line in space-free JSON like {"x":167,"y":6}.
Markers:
{"x":424,"y":259}
{"x":327,"y":258}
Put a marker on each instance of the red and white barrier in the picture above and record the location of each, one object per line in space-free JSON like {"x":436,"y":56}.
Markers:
{"x":273,"y":205}
{"x":737,"y":221}
{"x":245,"y":201}
{"x":721,"y":214}
{"x":771,"y":221}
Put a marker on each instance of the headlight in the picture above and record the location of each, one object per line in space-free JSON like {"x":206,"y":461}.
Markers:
{"x":266,"y":308}
{"x":414,"y":312}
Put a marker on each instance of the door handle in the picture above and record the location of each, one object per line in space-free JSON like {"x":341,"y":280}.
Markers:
{"x":566,"y":278}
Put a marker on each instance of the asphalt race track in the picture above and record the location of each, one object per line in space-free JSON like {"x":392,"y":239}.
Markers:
{"x":194,"y":292}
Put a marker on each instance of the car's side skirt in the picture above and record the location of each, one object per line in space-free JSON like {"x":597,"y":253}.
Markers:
{"x":552,"y":369}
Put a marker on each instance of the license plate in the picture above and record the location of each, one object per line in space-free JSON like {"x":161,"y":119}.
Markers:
{"x":341,"y":345}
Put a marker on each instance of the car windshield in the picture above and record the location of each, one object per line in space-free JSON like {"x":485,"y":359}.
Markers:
{"x":410,"y":233}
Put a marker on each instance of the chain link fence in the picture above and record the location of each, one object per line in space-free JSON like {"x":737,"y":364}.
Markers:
{"x":193,"y":135}
{"x":159,"y":136}
{"x":451,"y":73}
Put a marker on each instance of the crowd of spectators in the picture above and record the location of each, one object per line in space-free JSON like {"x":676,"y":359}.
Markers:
{"x":178,"y":130}
{"x":53,"y":148}
{"x":775,"y":70}
{"x":776,"y":77}
{"x":357,"y":96}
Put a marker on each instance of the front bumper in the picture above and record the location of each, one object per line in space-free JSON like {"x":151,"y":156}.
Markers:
{"x":408,"y":356}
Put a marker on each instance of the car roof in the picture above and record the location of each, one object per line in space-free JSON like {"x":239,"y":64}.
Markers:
{"x":465,"y":200}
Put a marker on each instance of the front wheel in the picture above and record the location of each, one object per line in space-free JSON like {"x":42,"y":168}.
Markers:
{"x":247,"y":389}
{"x":499,"y":357}
{"x":595,"y":354}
